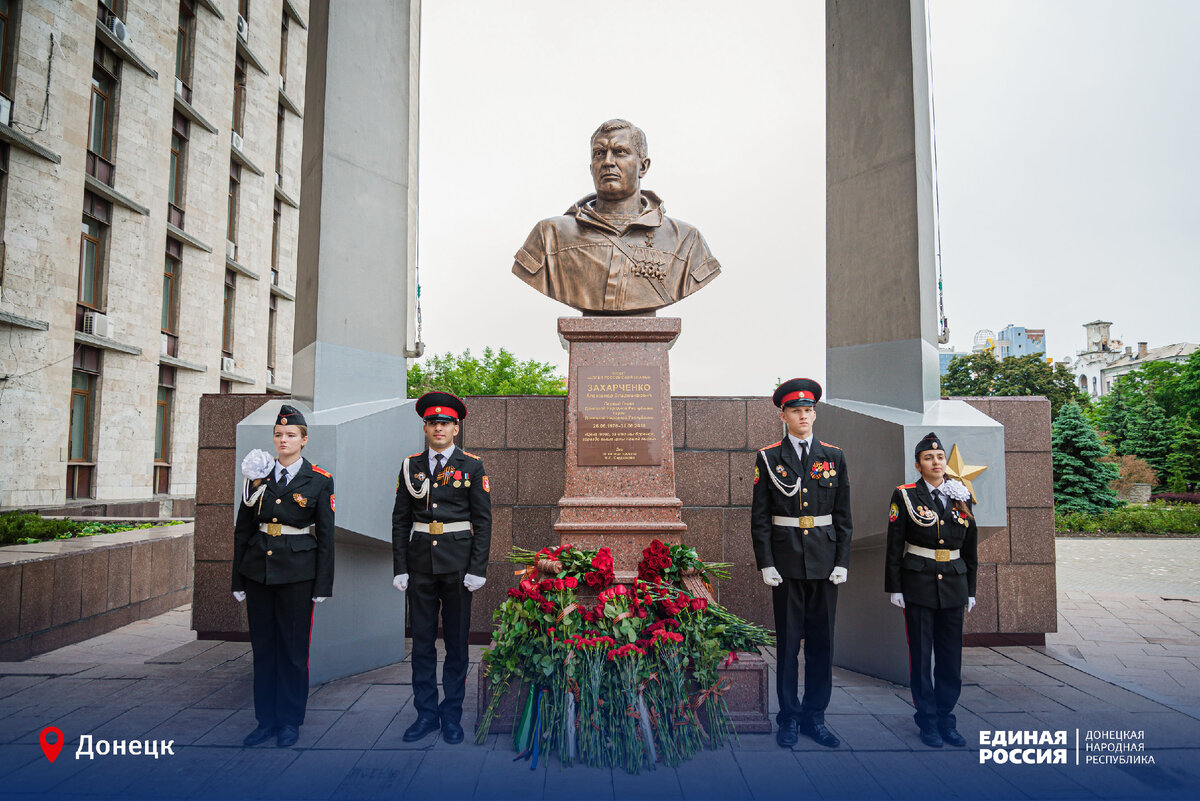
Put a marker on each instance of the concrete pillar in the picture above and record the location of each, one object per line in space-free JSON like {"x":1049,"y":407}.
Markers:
{"x":881,"y":301}
{"x":354,"y":299}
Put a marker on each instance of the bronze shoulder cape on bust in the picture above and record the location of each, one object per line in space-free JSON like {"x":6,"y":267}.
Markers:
{"x":582,"y":260}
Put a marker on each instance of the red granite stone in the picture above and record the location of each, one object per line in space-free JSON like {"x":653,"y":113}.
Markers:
{"x":1027,"y":598}
{"x":141,"y":583}
{"x":94,"y":595}
{"x":68,"y":588}
{"x":10,"y":602}
{"x":162,"y":554}
{"x":219,"y":416}
{"x":502,"y":540}
{"x":739,"y":547}
{"x":532,"y":527}
{"x":716,"y":423}
{"x":702,"y":478}
{"x":1026,"y":422}
{"x":120,"y":564}
{"x":215,"y":470}
{"x":994,"y":549}
{"x":501,"y":468}
{"x":486,"y":422}
{"x":983,"y":618}
{"x":535,"y":421}
{"x":1030,"y":479}
{"x":747,"y":596}
{"x":762,"y":422}
{"x":540,"y":478}
{"x":213,"y":607}
{"x":704,"y":532}
{"x":37,"y":595}
{"x":741,"y":477}
{"x":1032,"y":532}
{"x":214,"y":532}
{"x":678,"y":423}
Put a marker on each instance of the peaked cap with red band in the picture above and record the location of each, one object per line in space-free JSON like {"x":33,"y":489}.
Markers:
{"x":438,"y":407}
{"x":289,"y":416}
{"x":797,"y":392}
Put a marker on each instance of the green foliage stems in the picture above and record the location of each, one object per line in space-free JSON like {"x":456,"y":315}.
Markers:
{"x":497,"y":373}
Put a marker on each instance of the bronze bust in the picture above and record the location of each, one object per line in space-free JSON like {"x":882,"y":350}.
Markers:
{"x":616,"y":251}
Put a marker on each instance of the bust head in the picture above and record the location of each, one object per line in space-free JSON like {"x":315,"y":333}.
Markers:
{"x":619,"y":160}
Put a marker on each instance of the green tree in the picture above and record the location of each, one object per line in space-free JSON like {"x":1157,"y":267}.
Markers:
{"x":1183,"y":465}
{"x":498,"y":373}
{"x":1149,"y":436}
{"x":980,"y":374}
{"x":1081,"y":479}
{"x":1114,"y":412}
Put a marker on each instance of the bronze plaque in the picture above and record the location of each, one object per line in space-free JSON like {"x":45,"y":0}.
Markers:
{"x":620,"y":415}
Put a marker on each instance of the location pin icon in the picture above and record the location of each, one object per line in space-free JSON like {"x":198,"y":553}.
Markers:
{"x":51,"y":749}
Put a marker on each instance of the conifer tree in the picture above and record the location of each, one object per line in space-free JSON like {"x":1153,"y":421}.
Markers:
{"x":1081,"y":480}
{"x":1149,"y":436}
{"x":1183,"y":465}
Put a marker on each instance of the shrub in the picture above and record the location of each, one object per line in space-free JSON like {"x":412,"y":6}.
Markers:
{"x":1152,"y":518}
{"x":18,"y":527}
{"x":1176,"y":497}
{"x":1132,"y":470}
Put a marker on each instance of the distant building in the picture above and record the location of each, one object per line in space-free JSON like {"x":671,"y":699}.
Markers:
{"x":1017,"y":340}
{"x":944,"y":359}
{"x":1101,"y":350}
{"x":1130,"y":361}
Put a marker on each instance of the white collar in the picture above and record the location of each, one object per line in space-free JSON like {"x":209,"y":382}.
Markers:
{"x":931,"y":488}
{"x":291,"y":469}
{"x":431,"y":454}
{"x":796,"y":443}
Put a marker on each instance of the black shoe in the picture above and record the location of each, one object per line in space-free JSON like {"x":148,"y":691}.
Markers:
{"x":932,"y":739}
{"x":786,"y":736}
{"x":419,"y":729}
{"x":452,"y":733}
{"x":259,"y":735}
{"x":822,"y":735}
{"x":288,"y":735}
{"x":952,"y":737}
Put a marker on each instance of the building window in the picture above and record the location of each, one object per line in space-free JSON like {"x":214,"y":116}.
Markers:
{"x":184,"y":33}
{"x":93,"y":234}
{"x":105,"y":65}
{"x":276,"y":218}
{"x":8,"y":13}
{"x":170,"y":298}
{"x":283,"y":39}
{"x":80,"y":460}
{"x":279,"y":145}
{"x":272,"y":318}
{"x":235,"y":189}
{"x":175,"y":177}
{"x":227,"y":313}
{"x":244,"y":9}
{"x":162,"y":429}
{"x":239,"y":96}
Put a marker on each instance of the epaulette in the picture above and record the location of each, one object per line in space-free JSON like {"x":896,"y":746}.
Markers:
{"x":772,"y":445}
{"x":907,"y":486}
{"x":417,"y":455}
{"x":473,"y":456}
{"x":322,"y":471}
{"x":827,"y":445}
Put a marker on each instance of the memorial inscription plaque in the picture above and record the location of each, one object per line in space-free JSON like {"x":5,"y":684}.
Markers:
{"x":620,"y":415}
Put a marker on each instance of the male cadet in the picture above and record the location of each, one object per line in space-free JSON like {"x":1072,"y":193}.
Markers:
{"x":930,"y":573}
{"x":441,"y":534}
{"x":800,"y":523}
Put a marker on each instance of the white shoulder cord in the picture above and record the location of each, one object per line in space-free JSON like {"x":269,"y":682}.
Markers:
{"x":249,"y":498}
{"x":920,"y":520}
{"x":787,"y":493}
{"x":417,"y":494}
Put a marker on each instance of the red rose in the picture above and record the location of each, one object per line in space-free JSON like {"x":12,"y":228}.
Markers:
{"x":620,"y":589}
{"x":641,"y":612}
{"x":699,"y":604}
{"x":571,"y":582}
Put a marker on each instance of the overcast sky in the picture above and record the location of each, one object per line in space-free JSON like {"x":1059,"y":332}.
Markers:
{"x":1065,"y":180}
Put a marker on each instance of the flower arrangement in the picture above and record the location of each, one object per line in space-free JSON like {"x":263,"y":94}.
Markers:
{"x":628,"y":679}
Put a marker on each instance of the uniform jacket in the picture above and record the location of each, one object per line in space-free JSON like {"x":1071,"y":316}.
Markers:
{"x":794,"y":552}
{"x":924,"y":581}
{"x":471,"y":500}
{"x":573,"y":259}
{"x":306,"y":500}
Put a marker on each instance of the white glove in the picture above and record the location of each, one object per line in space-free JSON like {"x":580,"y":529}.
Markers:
{"x":970,"y":603}
{"x":321,"y":600}
{"x":257,"y":464}
{"x":473,"y":583}
{"x":897,"y":598}
{"x":771,"y":577}
{"x":239,"y":596}
{"x":838,"y":576}
{"x":400,"y":582}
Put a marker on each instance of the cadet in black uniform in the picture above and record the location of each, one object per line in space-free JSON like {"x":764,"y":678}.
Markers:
{"x":931,"y":565}
{"x":441,"y":535}
{"x":800,"y":523}
{"x":282,"y":565}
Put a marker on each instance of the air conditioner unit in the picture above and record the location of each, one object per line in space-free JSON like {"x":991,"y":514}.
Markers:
{"x":179,"y":86}
{"x":227,"y":364}
{"x":119,"y":29}
{"x":97,"y":324}
{"x":237,"y":140}
{"x":165,"y":348}
{"x":270,"y":376}
{"x":230,"y":250}
{"x":5,"y":110}
{"x":243,"y":28}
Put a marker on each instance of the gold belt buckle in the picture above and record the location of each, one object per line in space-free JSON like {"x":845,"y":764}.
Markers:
{"x":806,"y":522}
{"x":941,"y":554}
{"x":274,"y":529}
{"x":435,"y":528}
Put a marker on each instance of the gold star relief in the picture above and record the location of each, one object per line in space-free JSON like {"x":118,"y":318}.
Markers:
{"x":957,"y":469}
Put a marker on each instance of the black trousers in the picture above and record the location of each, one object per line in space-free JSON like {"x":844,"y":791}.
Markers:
{"x":429,"y":594}
{"x":804,"y":611}
{"x":935,"y":682}
{"x":280,"y":618}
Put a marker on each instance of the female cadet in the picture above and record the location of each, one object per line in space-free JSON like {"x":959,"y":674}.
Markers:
{"x":931,"y":564}
{"x":282,"y":565}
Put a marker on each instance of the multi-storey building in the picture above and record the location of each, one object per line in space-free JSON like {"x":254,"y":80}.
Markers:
{"x":1016,"y":340}
{"x":149,"y":187}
